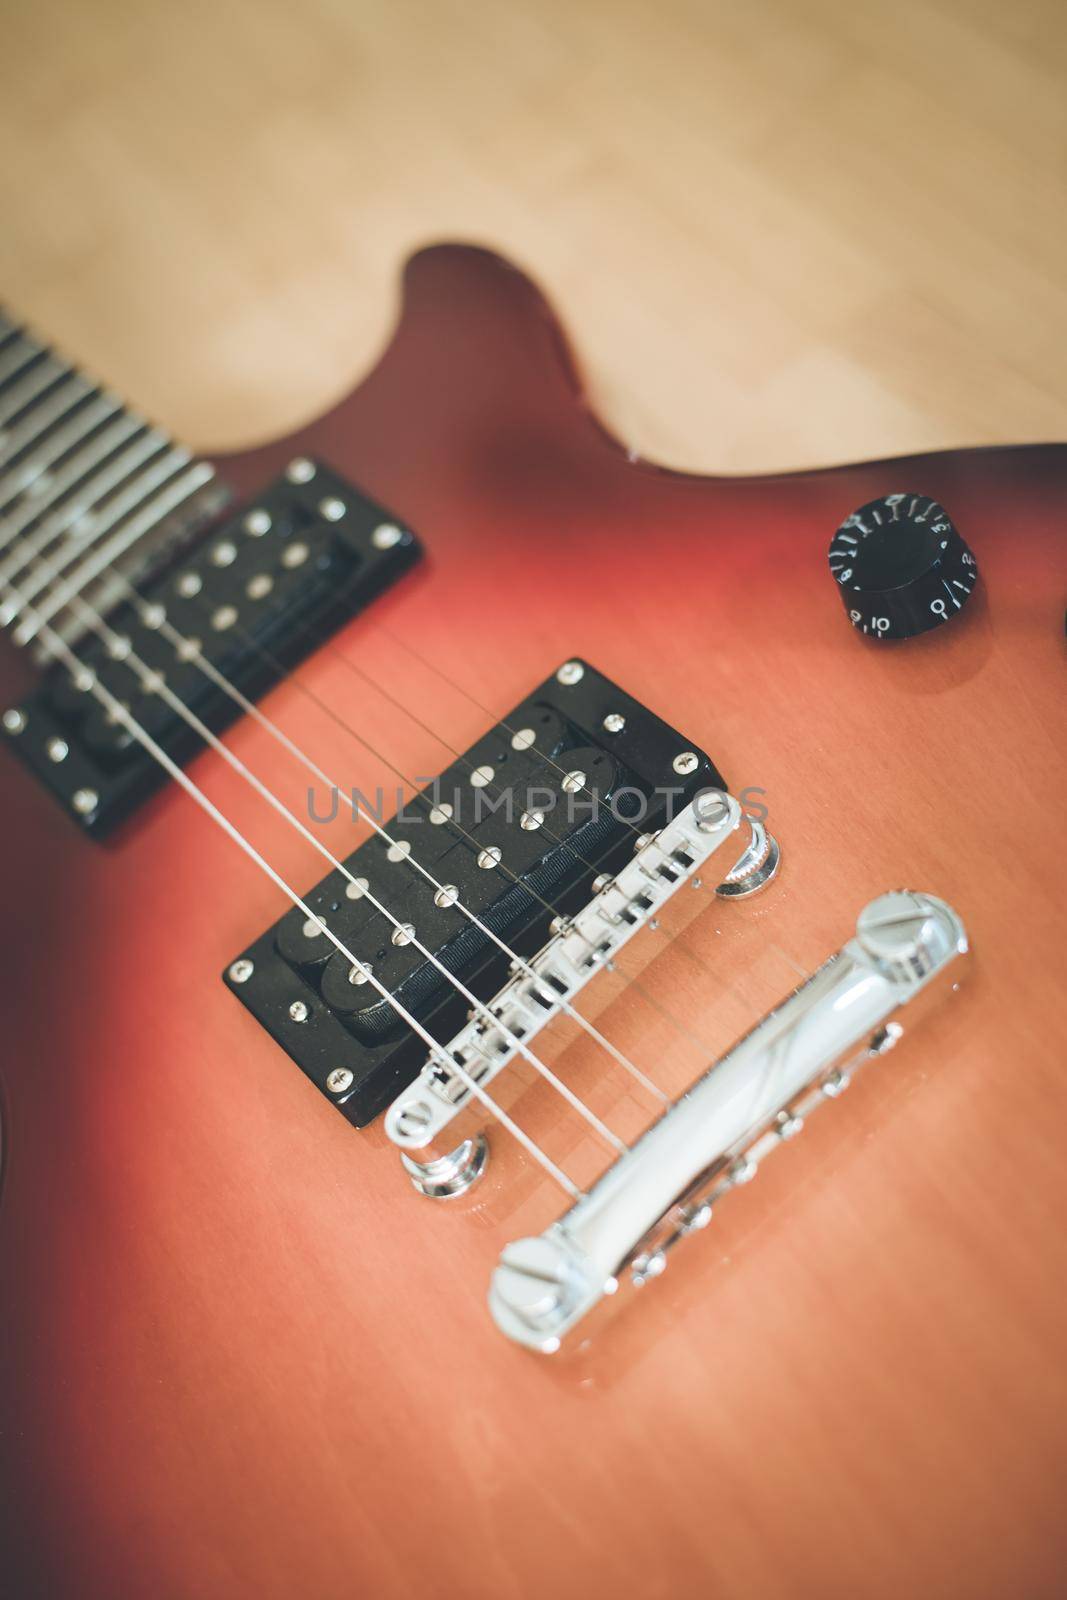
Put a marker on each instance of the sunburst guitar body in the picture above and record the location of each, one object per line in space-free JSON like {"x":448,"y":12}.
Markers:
{"x":243,"y":1351}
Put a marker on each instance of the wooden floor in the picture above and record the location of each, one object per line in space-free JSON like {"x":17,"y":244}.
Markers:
{"x":781,"y":233}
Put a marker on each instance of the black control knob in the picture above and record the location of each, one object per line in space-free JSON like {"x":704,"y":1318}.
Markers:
{"x":901,"y":567}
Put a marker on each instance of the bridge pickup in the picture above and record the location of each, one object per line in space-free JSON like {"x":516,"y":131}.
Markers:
{"x":511,"y":836}
{"x":261,"y":592}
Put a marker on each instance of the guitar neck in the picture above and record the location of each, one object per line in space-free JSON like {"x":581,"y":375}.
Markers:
{"x":90,"y":491}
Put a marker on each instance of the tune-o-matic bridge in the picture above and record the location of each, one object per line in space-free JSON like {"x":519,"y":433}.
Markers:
{"x":423,"y":1120}
{"x":473,"y":872}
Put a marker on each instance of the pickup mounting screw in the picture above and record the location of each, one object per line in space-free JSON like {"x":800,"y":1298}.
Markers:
{"x":332,"y":509}
{"x":57,"y":750}
{"x":298,"y":1011}
{"x":385,"y":536}
{"x":614,"y":722}
{"x":241,"y":971}
{"x":686,"y":763}
{"x":571,"y":672}
{"x":339,"y":1080}
{"x":301,"y":470}
{"x":14,"y":720}
{"x":257,"y":523}
{"x":85,"y":801}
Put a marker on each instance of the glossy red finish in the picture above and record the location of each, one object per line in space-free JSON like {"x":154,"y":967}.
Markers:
{"x":239,"y":1356}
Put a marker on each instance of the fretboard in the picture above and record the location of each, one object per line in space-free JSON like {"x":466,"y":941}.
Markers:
{"x":88,"y":488}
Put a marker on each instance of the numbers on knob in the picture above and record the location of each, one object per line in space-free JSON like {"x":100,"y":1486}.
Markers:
{"x":900,"y":567}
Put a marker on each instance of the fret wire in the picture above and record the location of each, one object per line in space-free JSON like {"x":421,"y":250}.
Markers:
{"x":45,"y":413}
{"x":96,"y":488}
{"x":19,"y":480}
{"x":20,"y":395}
{"x":171,"y":497}
{"x":13,"y":360}
{"x":136,"y":492}
{"x":79,"y":468}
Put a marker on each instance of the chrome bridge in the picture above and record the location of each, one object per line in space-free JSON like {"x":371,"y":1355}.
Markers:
{"x":421,"y":1121}
{"x":710,"y":1140}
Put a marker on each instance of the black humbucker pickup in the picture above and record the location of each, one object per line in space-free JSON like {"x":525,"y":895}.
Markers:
{"x":555,"y":794}
{"x":257,"y":595}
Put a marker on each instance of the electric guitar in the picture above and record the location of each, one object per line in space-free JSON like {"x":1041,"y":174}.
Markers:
{"x":446,"y":858}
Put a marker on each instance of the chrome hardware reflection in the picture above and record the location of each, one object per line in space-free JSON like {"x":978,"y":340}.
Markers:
{"x":745,"y":1105}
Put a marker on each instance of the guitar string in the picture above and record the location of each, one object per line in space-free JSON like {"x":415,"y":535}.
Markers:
{"x":123,"y":715}
{"x":152,"y":680}
{"x":7,"y":570}
{"x":189,"y":649}
{"x":182,"y":642}
{"x":455,"y":826}
{"x":34,"y":545}
{"x":12,"y":566}
{"x":386,"y":694}
{"x":493,"y":788}
{"x":106,"y":476}
{"x":283,"y":675}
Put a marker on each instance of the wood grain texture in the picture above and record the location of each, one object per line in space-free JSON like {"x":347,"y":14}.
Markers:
{"x":783,"y":235}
